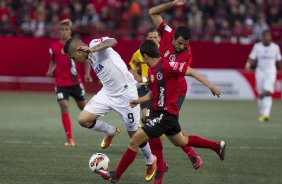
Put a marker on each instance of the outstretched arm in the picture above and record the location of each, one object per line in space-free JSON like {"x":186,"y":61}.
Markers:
{"x":214,"y":89}
{"x":147,"y":97}
{"x":103,"y":45}
{"x":155,"y":12}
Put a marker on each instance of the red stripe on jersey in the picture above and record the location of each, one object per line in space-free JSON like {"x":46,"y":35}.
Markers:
{"x":163,"y":79}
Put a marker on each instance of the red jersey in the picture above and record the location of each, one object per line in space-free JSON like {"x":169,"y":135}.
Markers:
{"x":65,"y":72}
{"x":168,"y":51}
{"x":163,"y":80}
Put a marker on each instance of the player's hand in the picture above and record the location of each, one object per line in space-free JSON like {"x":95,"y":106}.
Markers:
{"x":88,"y":78}
{"x":215,"y":91}
{"x":134,"y":103}
{"x":49,"y":73}
{"x":180,"y":2}
{"x":84,"y":49}
{"x":136,"y":76}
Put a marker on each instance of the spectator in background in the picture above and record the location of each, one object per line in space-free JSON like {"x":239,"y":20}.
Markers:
{"x":264,"y":56}
{"x":209,"y":30}
{"x":259,"y":27}
{"x":25,"y":27}
{"x":134,"y":12}
{"x":90,"y":17}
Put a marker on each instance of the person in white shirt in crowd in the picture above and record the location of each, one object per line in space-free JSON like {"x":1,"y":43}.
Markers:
{"x":264,"y":57}
{"x":119,"y":88}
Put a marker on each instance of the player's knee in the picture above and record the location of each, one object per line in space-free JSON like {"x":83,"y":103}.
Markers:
{"x":83,"y":121}
{"x":133,"y":143}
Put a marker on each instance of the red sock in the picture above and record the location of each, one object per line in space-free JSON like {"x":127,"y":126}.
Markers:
{"x":127,"y":158}
{"x":199,"y":142}
{"x":67,"y":125}
{"x":157,"y":150}
{"x":189,"y":151}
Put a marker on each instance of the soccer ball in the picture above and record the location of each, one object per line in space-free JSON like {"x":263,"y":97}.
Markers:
{"x":99,"y":161}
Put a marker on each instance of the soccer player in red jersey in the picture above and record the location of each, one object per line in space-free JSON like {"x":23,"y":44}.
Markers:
{"x":67,"y":81}
{"x":174,"y":46}
{"x":163,"y":78}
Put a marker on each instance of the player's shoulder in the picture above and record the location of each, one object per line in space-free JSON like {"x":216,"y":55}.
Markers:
{"x":97,"y":41}
{"x":274,"y":45}
{"x":55,"y":44}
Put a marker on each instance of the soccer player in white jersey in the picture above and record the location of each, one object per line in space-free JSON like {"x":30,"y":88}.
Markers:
{"x":264,"y":56}
{"x":119,"y":87}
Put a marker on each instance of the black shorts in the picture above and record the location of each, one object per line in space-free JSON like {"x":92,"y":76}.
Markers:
{"x":162,"y":123}
{"x":142,"y":91}
{"x":76,"y":91}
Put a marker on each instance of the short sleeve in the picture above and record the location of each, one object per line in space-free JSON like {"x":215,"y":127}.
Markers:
{"x":96,"y":42}
{"x":278,"y":55}
{"x":253,"y":54}
{"x":135,"y":61}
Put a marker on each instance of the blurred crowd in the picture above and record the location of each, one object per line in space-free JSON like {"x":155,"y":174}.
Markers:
{"x":236,"y":21}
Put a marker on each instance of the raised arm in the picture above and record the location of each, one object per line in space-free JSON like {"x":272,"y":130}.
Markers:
{"x":214,"y":89}
{"x":155,"y":12}
{"x":101,"y":46}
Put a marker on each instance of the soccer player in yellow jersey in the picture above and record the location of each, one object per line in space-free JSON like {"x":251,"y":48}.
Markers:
{"x":139,"y":69}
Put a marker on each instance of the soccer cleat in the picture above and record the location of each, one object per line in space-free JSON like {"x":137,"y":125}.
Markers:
{"x":159,"y":175}
{"x":70,"y":143}
{"x":196,"y":161}
{"x":151,"y":170}
{"x":106,"y":142}
{"x":221,"y":150}
{"x":263,"y":118}
{"x":111,"y":176}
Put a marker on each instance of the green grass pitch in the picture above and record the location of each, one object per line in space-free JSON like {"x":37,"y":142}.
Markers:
{"x":32,"y":150}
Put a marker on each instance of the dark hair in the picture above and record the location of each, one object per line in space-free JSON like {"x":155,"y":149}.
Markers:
{"x":150,"y":48}
{"x":152,"y":29}
{"x":266,"y":31}
{"x":182,"y":31}
{"x":67,"y":45}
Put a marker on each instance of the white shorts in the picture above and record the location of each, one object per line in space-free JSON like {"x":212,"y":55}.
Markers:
{"x":101,"y":104}
{"x":265,"y":82}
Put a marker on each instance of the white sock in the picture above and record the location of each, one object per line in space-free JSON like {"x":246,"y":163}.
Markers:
{"x":146,"y":150}
{"x":101,"y":126}
{"x":267,"y":104}
{"x":259,"y":101}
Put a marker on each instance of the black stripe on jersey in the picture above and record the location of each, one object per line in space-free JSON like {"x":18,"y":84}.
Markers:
{"x":161,"y":86}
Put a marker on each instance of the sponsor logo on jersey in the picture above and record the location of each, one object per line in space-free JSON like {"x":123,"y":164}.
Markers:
{"x":159,"y":76}
{"x":172,"y":58}
{"x":181,"y":66}
{"x":99,"y":68}
{"x":161,"y":97}
{"x":166,"y":53}
{"x":174,"y":65}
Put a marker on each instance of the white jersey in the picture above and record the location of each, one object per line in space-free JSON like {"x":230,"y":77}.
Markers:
{"x":266,"y":57}
{"x":110,"y":69}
